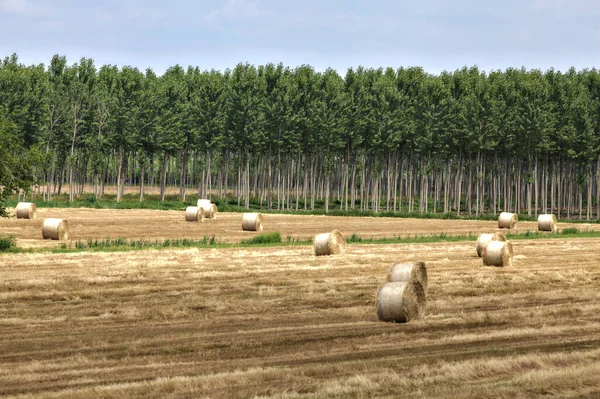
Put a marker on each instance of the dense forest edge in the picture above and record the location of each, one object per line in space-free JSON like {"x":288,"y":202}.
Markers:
{"x":374,"y":142}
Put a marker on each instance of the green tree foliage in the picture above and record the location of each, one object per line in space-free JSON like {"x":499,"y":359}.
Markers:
{"x":23,"y":107}
{"x":463,"y":141}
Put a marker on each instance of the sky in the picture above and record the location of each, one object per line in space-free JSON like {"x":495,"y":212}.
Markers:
{"x":434,"y":34}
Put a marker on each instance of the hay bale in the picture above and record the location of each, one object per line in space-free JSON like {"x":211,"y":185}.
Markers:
{"x":252,"y":222}
{"x":508,"y":220}
{"x":484,"y":239}
{"x":212,"y":212}
{"x":547,"y":222}
{"x":409,"y":272}
{"x":55,"y":229}
{"x":194,"y":214}
{"x":26,"y":210}
{"x":210,"y":209}
{"x":498,"y":253}
{"x":329,"y":243}
{"x":203,"y":203}
{"x":401,"y":301}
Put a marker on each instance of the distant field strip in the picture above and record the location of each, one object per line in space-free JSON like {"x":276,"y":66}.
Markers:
{"x":142,"y":225}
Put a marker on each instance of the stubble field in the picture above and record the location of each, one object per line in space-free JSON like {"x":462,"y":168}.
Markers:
{"x":279,"y":322}
{"x":141,"y":224}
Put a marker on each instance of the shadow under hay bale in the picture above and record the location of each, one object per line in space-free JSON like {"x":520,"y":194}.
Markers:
{"x":332,"y":243}
{"x":508,"y":220}
{"x":26,"y":210}
{"x":498,"y":253}
{"x":415,"y":271}
{"x":484,"y":240}
{"x":252,"y":222}
{"x":55,"y":229}
{"x":194,"y":214}
{"x":210,"y":209}
{"x":401,"y":302}
{"x":547,"y":222}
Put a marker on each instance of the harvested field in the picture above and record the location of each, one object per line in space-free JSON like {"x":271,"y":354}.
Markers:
{"x":127,"y":189}
{"x":153,"y":224}
{"x":279,"y":322}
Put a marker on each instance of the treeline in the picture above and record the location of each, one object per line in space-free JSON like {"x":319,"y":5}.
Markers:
{"x":380,"y":139}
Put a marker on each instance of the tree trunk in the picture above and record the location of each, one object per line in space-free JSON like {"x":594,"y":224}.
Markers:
{"x":459,"y":173}
{"x":120,"y":174}
{"x":142,"y":173}
{"x":163,"y":177}
{"x":182,"y":181}
{"x":247,"y":199}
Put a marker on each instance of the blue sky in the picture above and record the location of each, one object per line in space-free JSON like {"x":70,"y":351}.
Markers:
{"x":434,"y":34}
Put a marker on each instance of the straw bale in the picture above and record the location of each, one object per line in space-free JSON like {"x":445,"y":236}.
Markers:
{"x":416,"y":271}
{"x":498,"y":253}
{"x":194,"y":214}
{"x":204,"y":203}
{"x":210,"y":209}
{"x":401,"y":301}
{"x":484,"y":239}
{"x":508,"y":220}
{"x":547,"y":222}
{"x":26,"y":210}
{"x":252,"y":222}
{"x":332,"y":243}
{"x":55,"y":229}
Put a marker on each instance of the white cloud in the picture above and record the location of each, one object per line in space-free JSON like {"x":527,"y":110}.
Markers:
{"x":15,"y":6}
{"x":22,"y":7}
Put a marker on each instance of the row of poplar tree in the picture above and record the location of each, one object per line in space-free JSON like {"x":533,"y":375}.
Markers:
{"x":375,"y":139}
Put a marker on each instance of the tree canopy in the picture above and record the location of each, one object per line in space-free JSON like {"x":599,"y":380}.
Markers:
{"x":498,"y":138}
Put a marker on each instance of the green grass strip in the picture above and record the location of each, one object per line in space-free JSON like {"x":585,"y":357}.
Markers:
{"x":275,"y":240}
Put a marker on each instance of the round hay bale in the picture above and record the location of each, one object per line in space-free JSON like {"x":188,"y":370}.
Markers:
{"x":210,"y":209}
{"x":55,"y":229}
{"x":484,"y":239}
{"x":203,"y":203}
{"x":26,"y":210}
{"x":409,"y":272}
{"x":547,"y":222}
{"x":401,"y":301}
{"x":212,"y":212}
{"x":498,"y":253}
{"x":194,"y":214}
{"x":329,"y":243}
{"x":508,"y":220}
{"x":252,"y":222}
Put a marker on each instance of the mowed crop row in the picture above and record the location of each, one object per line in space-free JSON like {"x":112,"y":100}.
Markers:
{"x":153,"y":224}
{"x":279,"y":322}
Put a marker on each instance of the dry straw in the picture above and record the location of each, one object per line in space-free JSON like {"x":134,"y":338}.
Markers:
{"x":508,"y":220}
{"x":498,"y":253}
{"x":252,"y":222}
{"x":416,"y":271}
{"x":194,"y":214}
{"x":547,"y":222}
{"x":26,"y":210}
{"x":210,"y":209}
{"x":329,"y":243}
{"x":55,"y":229}
{"x":401,"y":302}
{"x":484,"y":239}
